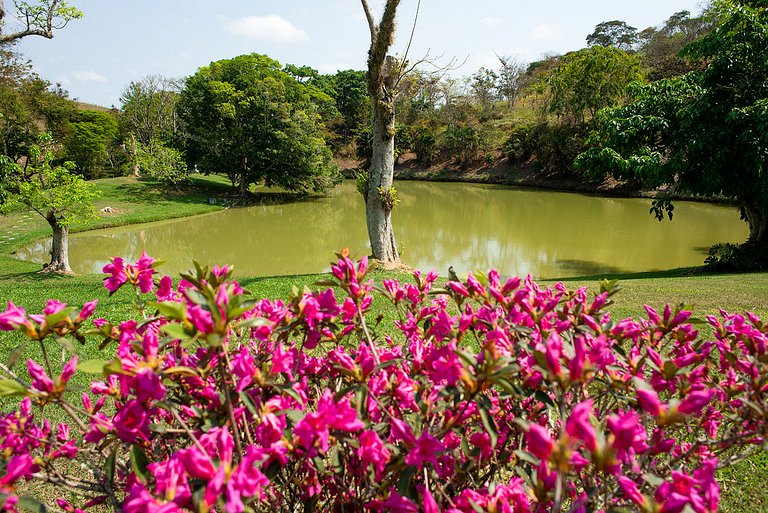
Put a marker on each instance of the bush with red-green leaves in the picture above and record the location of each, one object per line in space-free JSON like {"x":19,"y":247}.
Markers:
{"x":483,"y":396}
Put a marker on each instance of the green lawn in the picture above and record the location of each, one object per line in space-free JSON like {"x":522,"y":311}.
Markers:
{"x":135,"y":201}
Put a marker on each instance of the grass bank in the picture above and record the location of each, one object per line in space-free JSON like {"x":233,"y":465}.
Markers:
{"x":135,"y":201}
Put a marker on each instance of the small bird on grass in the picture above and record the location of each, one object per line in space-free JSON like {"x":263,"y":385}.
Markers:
{"x":452,"y":276}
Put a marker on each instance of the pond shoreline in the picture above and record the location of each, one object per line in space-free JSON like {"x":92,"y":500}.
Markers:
{"x":501,"y":172}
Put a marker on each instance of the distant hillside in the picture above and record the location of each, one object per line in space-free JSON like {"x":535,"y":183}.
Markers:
{"x":90,"y":106}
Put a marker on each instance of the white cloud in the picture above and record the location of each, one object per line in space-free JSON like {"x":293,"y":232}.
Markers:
{"x":546,"y":31}
{"x":266,"y":28}
{"x":491,"y":21}
{"x":88,"y":76}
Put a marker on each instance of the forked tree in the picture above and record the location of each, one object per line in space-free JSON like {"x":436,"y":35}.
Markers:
{"x":381,"y":78}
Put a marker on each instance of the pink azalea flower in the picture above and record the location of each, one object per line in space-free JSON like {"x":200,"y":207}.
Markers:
{"x":629,"y":435}
{"x":165,"y":291}
{"x":87,"y":311}
{"x":396,"y":503}
{"x":580,"y":427}
{"x":39,"y":378}
{"x":540,"y":444}
{"x":132,"y":422}
{"x":373,"y":451}
{"x":53,"y":306}
{"x":425,"y":449}
{"x":201,"y":319}
{"x":695,"y":401}
{"x":649,"y":401}
{"x":117,"y":275}
{"x":12,"y":318}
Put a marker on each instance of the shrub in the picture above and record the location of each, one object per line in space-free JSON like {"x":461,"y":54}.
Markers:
{"x":485,"y":396}
{"x":462,"y":143}
{"x":161,"y":162}
{"x":424,"y":144}
{"x":552,"y":147}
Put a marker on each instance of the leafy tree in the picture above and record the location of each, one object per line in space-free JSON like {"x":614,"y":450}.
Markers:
{"x":510,"y":78}
{"x":91,"y":136}
{"x":55,"y":192}
{"x":704,"y":133}
{"x":613,"y":34}
{"x":39,"y":18}
{"x":149,"y":106}
{"x":352,"y":100}
{"x":483,"y":84}
{"x":660,"y":48}
{"x":161,"y":162}
{"x":589,"y":80}
{"x":249,"y":118}
{"x":27,"y":105}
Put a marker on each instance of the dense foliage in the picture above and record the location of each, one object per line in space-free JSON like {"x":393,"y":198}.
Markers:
{"x":706,"y":132}
{"x":55,"y":192}
{"x":484,"y":396}
{"x":250,"y":119}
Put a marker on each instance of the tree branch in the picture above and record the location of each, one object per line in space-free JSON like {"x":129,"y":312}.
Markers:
{"x":371,"y":21}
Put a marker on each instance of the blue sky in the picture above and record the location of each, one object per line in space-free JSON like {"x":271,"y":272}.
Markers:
{"x":118,"y":40}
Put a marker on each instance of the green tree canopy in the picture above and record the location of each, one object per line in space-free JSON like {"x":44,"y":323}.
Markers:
{"x":250,"y":119}
{"x":28,"y":104}
{"x":90,"y":136}
{"x":615,"y":33}
{"x":706,"y":132}
{"x":589,"y":80}
{"x":55,"y":192}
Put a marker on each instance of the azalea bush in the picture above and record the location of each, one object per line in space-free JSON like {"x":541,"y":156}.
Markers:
{"x":483,"y":396}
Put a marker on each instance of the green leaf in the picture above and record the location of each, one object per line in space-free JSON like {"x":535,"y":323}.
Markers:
{"x":55,"y":318}
{"x":174,"y":330}
{"x":171,"y":309}
{"x":158,"y":428}
{"x":140,"y":462}
{"x":253,"y":322}
{"x":92,"y":366}
{"x":404,"y":484}
{"x":11,"y":388}
{"x":109,"y":466}
{"x":113,"y":367}
{"x":488,"y":423}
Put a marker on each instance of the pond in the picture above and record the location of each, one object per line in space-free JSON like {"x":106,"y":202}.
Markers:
{"x":467,"y":226}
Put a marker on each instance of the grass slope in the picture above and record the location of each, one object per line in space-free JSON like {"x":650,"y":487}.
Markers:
{"x":136,"y":201}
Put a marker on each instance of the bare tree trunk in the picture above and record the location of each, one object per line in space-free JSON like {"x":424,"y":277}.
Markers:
{"x":380,"y":175}
{"x":59,"y":248}
{"x":381,"y":78}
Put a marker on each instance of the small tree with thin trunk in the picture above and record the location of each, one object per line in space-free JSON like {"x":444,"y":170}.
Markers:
{"x":382,"y":77}
{"x":55,"y":192}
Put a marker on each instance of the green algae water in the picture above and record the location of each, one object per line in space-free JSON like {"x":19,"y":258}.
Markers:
{"x":437,"y":225}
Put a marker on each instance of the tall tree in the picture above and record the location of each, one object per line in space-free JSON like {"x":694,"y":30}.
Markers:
{"x":39,"y":18}
{"x":510,"y":78}
{"x":615,"y":33}
{"x":590,"y":79}
{"x":250,"y":119}
{"x":56,"y":193}
{"x":706,"y":132}
{"x":149,"y":106}
{"x":382,"y":78}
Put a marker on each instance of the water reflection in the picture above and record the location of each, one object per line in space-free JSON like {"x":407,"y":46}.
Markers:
{"x":467,"y":226}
